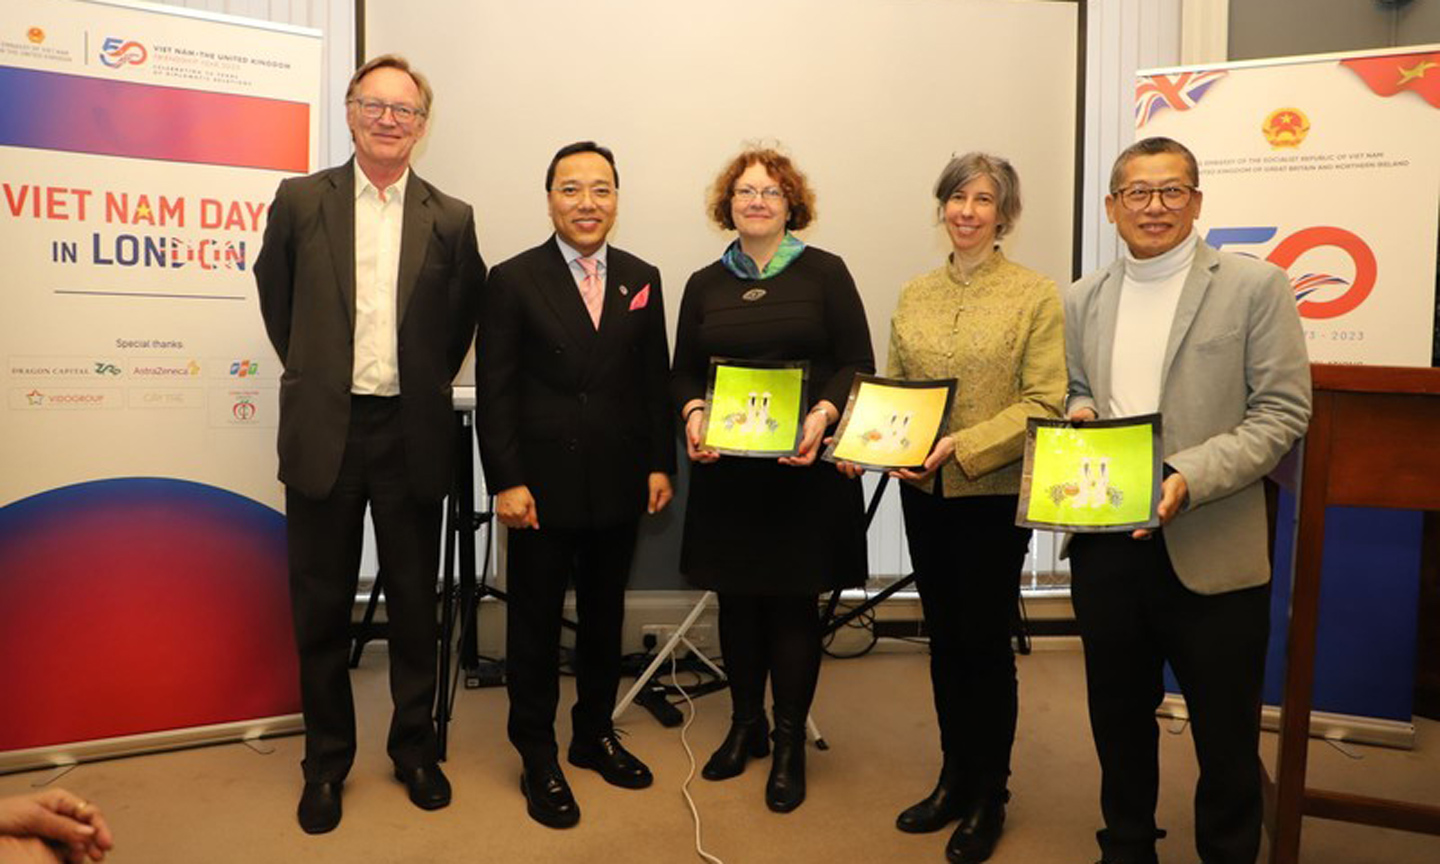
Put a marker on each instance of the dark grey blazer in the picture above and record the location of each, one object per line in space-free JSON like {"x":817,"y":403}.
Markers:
{"x":579,"y":416}
{"x":306,"y":276}
{"x":1234,"y":394}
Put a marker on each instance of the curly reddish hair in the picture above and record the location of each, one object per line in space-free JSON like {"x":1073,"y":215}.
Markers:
{"x":799,"y":198}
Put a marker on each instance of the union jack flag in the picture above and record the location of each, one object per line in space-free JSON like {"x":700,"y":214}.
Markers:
{"x":1158,"y":92}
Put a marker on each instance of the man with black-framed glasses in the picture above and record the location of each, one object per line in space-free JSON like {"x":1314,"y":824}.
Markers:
{"x":1213,"y":342}
{"x":369,"y":280}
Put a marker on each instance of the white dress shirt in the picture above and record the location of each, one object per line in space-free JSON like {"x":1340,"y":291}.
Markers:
{"x":379,"y":216}
{"x":572,"y":260}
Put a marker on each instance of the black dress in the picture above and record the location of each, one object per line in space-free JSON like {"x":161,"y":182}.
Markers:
{"x":752,"y":525}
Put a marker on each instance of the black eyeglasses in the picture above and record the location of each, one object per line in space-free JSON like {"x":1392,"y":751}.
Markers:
{"x":374,"y":109}
{"x":1139,"y":197}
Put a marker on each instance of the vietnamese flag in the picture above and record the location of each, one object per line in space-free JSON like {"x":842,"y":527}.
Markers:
{"x":1390,"y":74}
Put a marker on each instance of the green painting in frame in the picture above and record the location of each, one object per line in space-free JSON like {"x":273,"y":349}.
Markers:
{"x":1102,"y":475}
{"x":754,"y":408}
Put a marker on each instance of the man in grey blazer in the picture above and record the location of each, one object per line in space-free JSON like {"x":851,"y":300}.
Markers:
{"x":1213,"y":342}
{"x":369,"y":279}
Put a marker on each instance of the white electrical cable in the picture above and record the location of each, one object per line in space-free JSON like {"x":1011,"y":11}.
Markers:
{"x":685,"y":787}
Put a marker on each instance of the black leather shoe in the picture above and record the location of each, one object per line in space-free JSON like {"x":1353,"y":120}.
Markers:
{"x":319,"y":809}
{"x":979,"y":829}
{"x":785,"y":790}
{"x":941,"y":807}
{"x":617,"y":765}
{"x":746,"y":740}
{"x":428,"y":788}
{"x":547,"y":796}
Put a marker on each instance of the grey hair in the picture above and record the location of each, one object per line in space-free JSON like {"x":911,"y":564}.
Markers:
{"x":962,"y":169}
{"x":1153,"y":147}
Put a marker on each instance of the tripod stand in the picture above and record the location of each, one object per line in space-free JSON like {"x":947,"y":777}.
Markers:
{"x":829,"y":625}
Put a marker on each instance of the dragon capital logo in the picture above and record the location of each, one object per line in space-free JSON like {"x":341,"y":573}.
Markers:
{"x":117,"y":52}
{"x":1286,"y":128}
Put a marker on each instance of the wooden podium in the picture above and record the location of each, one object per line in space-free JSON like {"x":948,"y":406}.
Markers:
{"x":1371,"y":444}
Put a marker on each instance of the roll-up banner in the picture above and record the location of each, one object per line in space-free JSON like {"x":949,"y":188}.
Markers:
{"x":143,"y":595}
{"x":1329,"y":167}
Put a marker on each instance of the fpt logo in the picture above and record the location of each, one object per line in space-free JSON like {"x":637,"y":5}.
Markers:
{"x":117,"y":52}
{"x":1329,"y":243}
{"x":244,"y":369}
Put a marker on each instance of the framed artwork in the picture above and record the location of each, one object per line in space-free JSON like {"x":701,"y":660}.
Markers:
{"x":1103,"y":475}
{"x":754,"y":407}
{"x":890,"y":424}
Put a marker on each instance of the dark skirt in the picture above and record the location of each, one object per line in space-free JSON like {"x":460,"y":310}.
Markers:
{"x":754,"y":526}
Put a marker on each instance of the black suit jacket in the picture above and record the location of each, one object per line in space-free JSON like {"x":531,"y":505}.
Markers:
{"x":306,"y":276}
{"x":579,"y":416}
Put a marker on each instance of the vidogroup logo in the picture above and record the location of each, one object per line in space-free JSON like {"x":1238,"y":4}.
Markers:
{"x":117,"y":52}
{"x":1289,"y":250}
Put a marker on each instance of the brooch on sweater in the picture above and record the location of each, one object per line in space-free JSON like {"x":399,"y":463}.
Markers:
{"x":753,"y":294}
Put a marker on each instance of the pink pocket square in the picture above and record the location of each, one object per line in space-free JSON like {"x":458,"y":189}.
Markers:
{"x":641,"y":298}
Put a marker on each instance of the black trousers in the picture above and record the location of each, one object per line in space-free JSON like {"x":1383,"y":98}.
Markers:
{"x":968,"y":553}
{"x":1134,"y":616}
{"x":775,"y":637}
{"x":541,"y":565}
{"x":325,"y":538}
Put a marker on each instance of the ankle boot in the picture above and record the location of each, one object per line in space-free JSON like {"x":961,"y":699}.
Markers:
{"x":940,"y":808}
{"x":981,"y":821}
{"x":786,"y":788}
{"x":747,"y":739}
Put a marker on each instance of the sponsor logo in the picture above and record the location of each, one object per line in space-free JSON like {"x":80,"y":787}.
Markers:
{"x":35,"y":35}
{"x":243,"y":410}
{"x":103,"y":367}
{"x":165,"y":369}
{"x":117,"y":52}
{"x":1285,"y":127}
{"x":1352,"y":291}
{"x":60,"y":398}
{"x":244,"y":368}
{"x":149,"y":397}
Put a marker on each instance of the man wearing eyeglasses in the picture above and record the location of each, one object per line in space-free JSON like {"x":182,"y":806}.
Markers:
{"x":369,"y":279}
{"x":1212,"y":341}
{"x":576,"y":436}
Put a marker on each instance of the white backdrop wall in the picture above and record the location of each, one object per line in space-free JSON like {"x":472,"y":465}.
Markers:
{"x":870,"y":97}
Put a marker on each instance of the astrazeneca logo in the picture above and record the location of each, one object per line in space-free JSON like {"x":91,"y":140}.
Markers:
{"x":117,"y":52}
{"x":1289,"y":250}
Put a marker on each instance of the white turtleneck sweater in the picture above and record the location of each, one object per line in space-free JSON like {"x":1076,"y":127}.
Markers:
{"x":1148,"y":297}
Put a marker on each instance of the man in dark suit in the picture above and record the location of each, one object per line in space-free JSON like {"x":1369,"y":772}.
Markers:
{"x":369,"y":279}
{"x":575,"y":434}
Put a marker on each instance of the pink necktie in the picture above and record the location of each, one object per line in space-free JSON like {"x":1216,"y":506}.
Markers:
{"x":591,"y":291}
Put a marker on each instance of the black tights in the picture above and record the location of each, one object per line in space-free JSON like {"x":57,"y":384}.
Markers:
{"x":775,"y":636}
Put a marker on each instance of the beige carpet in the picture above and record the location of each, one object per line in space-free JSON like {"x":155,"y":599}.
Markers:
{"x":229,"y":804}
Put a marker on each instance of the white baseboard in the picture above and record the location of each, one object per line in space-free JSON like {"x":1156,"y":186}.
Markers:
{"x":1323,"y":724}
{"x":61,"y":755}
